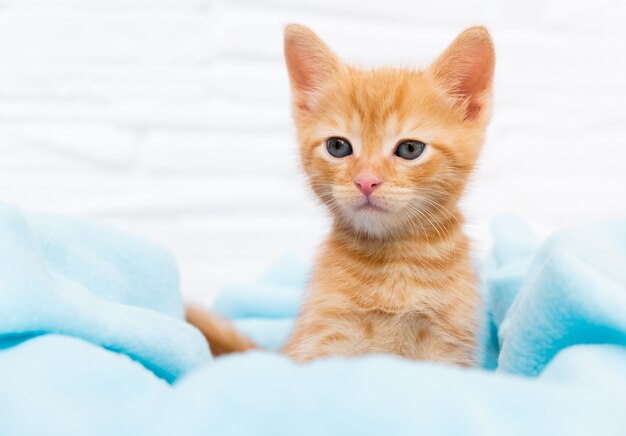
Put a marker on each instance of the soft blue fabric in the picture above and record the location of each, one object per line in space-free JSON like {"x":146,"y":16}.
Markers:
{"x":67,"y":276}
{"x":556,"y":333}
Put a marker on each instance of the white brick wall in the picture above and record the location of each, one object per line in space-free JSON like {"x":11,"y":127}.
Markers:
{"x":171,"y":118}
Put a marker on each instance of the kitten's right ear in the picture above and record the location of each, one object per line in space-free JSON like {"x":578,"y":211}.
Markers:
{"x":310,"y":64}
{"x":465,"y":69}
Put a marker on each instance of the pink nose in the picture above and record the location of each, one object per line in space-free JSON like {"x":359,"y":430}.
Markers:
{"x":367,"y":183}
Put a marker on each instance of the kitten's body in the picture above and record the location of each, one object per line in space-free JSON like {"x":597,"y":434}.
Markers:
{"x":414,"y":296}
{"x":395,"y":275}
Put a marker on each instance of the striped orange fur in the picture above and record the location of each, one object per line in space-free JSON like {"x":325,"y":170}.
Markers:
{"x":394,"y":275}
{"x":220,"y":333}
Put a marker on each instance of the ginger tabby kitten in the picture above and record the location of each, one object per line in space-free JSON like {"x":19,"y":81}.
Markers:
{"x":389,"y":152}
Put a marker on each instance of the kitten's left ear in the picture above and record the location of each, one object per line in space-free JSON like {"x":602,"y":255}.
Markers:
{"x":466,"y":68}
{"x":310,"y":64}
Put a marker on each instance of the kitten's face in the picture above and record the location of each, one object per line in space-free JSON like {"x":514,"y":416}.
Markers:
{"x":387,"y":149}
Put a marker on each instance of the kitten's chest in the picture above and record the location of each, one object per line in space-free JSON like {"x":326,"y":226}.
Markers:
{"x":398,"y":287}
{"x":408,"y":334}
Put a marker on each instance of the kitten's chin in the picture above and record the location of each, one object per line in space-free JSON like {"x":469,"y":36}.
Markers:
{"x":370,"y":216}
{"x":370,"y":219}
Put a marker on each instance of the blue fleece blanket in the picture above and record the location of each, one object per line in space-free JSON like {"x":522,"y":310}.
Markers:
{"x":92,"y":342}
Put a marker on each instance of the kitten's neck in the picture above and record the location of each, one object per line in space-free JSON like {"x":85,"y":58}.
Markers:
{"x":437,"y":228}
{"x":395,"y":274}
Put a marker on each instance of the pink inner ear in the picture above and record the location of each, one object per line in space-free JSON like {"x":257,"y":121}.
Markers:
{"x":466,"y":68}
{"x":309,"y":61}
{"x":477,"y":78}
{"x":304,"y":69}
{"x":304,"y":72}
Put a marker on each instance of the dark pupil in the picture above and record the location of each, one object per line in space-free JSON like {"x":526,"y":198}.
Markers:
{"x":410,"y":149}
{"x":338,"y":147}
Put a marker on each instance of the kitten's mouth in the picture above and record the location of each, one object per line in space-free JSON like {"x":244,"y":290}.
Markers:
{"x":370,"y":206}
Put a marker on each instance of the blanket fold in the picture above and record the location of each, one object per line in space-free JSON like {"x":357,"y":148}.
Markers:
{"x":67,"y":276}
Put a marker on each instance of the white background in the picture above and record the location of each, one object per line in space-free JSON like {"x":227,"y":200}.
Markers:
{"x":170,"y":118}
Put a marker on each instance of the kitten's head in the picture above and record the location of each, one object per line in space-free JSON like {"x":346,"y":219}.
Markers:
{"x":387,"y":149}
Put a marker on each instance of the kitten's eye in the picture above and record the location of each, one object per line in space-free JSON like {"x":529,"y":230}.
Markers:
{"x":410,"y":150}
{"x":338,"y":147}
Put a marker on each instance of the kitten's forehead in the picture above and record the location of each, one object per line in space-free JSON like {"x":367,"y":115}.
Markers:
{"x":384,"y":103}
{"x":376,"y":95}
